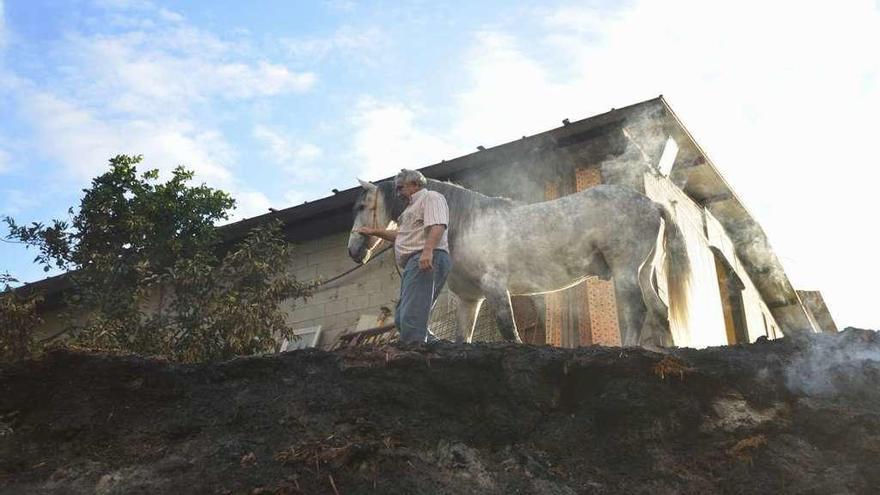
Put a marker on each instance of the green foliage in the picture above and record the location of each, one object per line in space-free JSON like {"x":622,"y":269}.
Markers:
{"x":232,"y":308}
{"x":149,"y":273}
{"x":18,"y":321}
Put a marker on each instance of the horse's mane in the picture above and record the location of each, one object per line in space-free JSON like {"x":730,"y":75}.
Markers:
{"x":463,"y":203}
{"x":465,"y":206}
{"x":389,"y":194}
{"x":467,"y":200}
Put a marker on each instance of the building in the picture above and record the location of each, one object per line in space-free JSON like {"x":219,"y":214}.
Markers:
{"x":738,"y":293}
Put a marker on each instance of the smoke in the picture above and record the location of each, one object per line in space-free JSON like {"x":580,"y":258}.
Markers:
{"x":622,"y":149}
{"x":829,"y":365}
{"x":553,"y":246}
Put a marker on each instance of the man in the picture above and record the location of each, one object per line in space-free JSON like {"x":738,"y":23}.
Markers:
{"x":421,"y":249}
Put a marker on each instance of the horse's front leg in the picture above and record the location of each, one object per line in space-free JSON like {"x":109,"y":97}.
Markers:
{"x":466,"y":314}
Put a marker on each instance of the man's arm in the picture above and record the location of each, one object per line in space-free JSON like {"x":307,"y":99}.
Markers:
{"x":436,"y":218}
{"x":435,"y":232}
{"x":388,"y":235}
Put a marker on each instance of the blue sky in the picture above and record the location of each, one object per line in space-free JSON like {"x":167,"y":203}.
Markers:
{"x":279,"y":101}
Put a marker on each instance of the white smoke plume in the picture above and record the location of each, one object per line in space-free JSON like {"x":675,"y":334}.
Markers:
{"x":830,"y":365}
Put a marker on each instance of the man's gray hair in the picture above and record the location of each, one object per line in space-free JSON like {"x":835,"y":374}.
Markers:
{"x":407,"y":176}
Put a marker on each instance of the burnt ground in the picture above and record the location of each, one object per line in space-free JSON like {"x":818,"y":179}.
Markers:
{"x":788,"y":416}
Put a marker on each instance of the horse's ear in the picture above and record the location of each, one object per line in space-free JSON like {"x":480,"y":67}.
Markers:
{"x":369,"y":186}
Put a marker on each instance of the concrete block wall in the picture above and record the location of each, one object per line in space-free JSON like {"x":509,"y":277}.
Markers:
{"x":338,"y":306}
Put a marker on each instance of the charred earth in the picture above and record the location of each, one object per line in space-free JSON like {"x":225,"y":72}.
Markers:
{"x":797,"y":415}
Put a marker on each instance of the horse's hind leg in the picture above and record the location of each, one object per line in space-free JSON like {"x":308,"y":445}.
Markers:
{"x":631,"y":309}
{"x":500,"y":301}
{"x":494,"y":286}
{"x":655,"y":331}
{"x":466,"y":314}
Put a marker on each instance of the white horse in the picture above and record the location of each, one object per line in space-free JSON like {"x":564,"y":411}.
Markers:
{"x":501,"y":248}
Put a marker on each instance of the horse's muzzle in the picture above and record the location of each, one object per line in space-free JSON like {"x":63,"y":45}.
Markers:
{"x":357,"y":253}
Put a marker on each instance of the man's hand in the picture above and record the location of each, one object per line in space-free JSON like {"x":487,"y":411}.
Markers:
{"x":426,"y":261}
{"x":365,"y":230}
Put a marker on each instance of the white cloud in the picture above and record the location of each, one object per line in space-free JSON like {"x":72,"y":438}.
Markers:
{"x":266,"y":79}
{"x":297,"y":158}
{"x":249,"y":204}
{"x":388,"y":138}
{"x":152,"y":87}
{"x":509,"y":94}
{"x":82,"y":143}
{"x":340,"y":5}
{"x":359,"y":42}
{"x":279,"y":147}
{"x":173,"y":69}
{"x":170,"y":15}
{"x":76,"y":138}
{"x":308,"y":152}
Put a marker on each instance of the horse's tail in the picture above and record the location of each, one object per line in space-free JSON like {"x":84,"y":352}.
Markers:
{"x":677,"y":265}
{"x":655,"y":305}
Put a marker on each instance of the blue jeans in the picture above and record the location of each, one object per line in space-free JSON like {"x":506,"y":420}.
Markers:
{"x":418,"y":293}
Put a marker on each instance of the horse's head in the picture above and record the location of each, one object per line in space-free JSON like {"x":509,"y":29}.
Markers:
{"x":371,"y":209}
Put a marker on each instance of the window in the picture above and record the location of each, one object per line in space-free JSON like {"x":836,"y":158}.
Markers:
{"x":667,"y":158}
{"x":308,"y":337}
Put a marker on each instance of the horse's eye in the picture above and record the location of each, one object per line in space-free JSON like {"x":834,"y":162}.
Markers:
{"x":360,"y":207}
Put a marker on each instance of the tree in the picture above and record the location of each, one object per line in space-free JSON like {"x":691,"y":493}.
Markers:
{"x":18,"y":321}
{"x":150,"y":276}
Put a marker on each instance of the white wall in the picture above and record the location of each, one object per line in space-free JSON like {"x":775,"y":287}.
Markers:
{"x":755,"y":309}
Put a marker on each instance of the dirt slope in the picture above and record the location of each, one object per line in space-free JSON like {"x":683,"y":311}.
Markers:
{"x":790,"y":416}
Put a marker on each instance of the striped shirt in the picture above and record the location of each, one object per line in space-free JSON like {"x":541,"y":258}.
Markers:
{"x":426,"y":208}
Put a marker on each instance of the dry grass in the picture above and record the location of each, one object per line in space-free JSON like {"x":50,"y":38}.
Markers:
{"x":671,"y":366}
{"x":315,"y":452}
{"x":745,"y":449}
